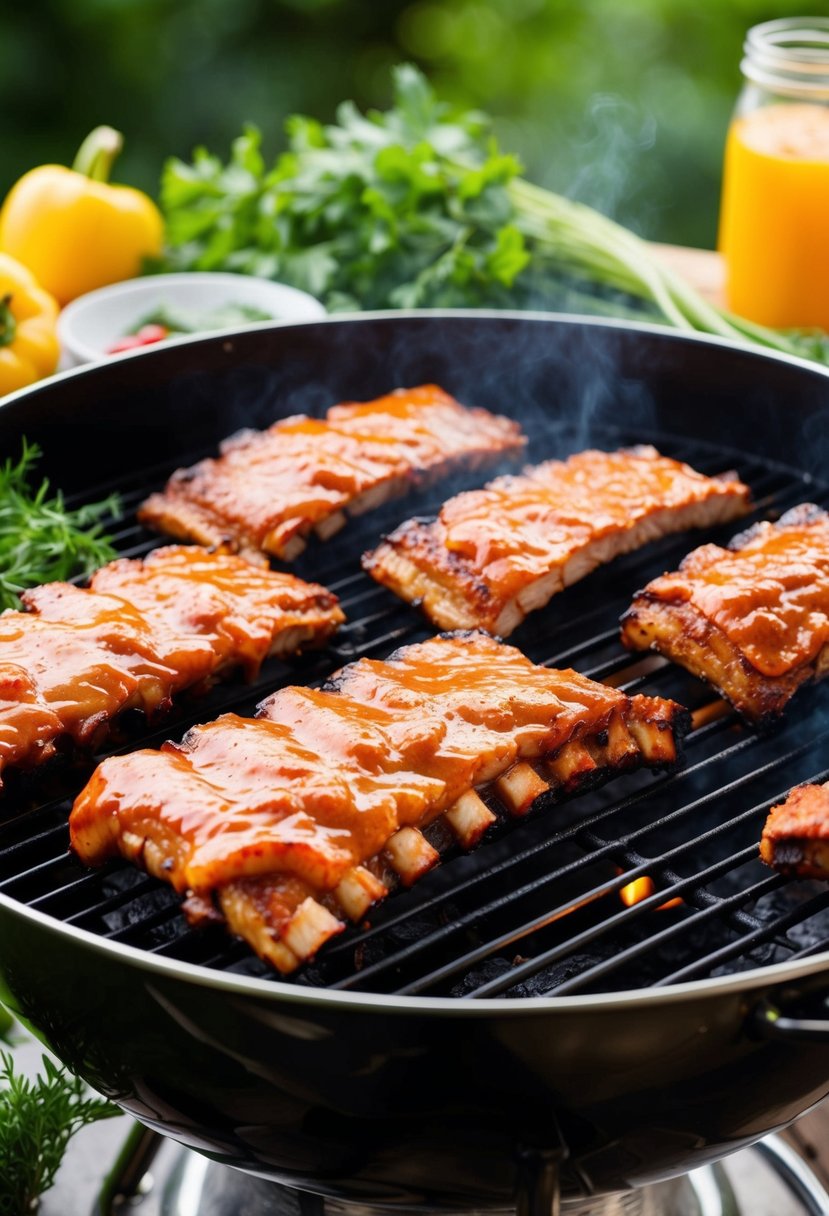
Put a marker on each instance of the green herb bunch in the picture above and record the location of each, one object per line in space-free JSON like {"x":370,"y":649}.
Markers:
{"x":402,"y":209}
{"x":41,"y":539}
{"x":417,"y":207}
{"x":37,"y":1120}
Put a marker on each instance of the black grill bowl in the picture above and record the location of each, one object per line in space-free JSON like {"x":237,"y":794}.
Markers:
{"x":442,"y":1101}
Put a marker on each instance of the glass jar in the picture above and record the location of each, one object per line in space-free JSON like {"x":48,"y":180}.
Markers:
{"x":774,"y":217}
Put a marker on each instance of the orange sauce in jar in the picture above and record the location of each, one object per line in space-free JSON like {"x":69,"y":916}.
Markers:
{"x":774,"y":223}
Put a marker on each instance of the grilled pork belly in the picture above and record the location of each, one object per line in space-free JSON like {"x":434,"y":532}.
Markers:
{"x":142,"y":632}
{"x":795,"y":838}
{"x":496,"y":554}
{"x":68,"y":666}
{"x":236,"y":614}
{"x":296,"y":821}
{"x":752,"y":619}
{"x":268,"y":489}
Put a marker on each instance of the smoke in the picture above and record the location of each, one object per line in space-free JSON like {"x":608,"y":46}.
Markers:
{"x":606,"y":159}
{"x":563,"y":381}
{"x":573,"y":383}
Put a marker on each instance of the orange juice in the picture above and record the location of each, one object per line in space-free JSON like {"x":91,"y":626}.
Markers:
{"x":774,"y":222}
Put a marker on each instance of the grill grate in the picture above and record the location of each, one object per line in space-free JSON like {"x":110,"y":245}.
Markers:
{"x":538,"y":908}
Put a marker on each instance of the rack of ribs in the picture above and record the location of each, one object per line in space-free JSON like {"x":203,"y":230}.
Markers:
{"x":268,"y":489}
{"x":795,"y":837}
{"x":751,"y":619}
{"x":138,"y":635}
{"x":494,"y":555}
{"x":290,"y":824}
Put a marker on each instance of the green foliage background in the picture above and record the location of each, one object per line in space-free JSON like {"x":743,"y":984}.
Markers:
{"x":622,"y":104}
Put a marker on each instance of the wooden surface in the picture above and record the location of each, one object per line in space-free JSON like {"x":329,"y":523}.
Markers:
{"x":701,"y":268}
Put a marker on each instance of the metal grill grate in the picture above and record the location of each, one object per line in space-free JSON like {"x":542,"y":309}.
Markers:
{"x":538,"y":908}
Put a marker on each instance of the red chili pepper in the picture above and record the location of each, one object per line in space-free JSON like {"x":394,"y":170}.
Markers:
{"x":146,"y":336}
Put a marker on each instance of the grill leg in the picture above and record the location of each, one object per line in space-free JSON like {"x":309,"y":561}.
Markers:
{"x":537,"y":1191}
{"x":124,"y":1181}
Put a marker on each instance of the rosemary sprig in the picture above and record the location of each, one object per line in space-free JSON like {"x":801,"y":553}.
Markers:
{"x":41,"y":540}
{"x":37,"y":1120}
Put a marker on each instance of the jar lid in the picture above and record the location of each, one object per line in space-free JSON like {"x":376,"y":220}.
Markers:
{"x":789,"y":56}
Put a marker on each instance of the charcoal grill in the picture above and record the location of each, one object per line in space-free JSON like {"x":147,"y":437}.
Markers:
{"x":509,"y":1022}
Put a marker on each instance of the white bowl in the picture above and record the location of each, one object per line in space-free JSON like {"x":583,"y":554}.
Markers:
{"x":89,"y":326}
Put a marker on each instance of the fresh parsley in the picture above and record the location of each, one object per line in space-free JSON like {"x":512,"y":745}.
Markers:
{"x":417,"y":207}
{"x":41,"y":539}
{"x":390,"y":210}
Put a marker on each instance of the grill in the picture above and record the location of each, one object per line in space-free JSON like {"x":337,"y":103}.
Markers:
{"x":508,"y":1026}
{"x":537,"y":910}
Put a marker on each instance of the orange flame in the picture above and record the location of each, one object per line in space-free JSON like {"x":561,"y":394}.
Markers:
{"x":634,"y":892}
{"x":637,"y":890}
{"x":709,"y":713}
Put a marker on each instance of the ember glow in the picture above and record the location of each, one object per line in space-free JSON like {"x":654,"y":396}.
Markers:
{"x":709,"y":713}
{"x":641,"y":888}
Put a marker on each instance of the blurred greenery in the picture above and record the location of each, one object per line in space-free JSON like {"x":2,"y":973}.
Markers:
{"x":622,"y":104}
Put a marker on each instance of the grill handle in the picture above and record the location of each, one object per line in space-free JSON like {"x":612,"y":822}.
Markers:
{"x":792,"y":1015}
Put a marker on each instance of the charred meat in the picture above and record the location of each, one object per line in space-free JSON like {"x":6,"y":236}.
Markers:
{"x":795,"y":838}
{"x":141,"y":633}
{"x":269,"y":489}
{"x":236,"y":613}
{"x":290,"y":824}
{"x":496,"y":554}
{"x":752,"y":619}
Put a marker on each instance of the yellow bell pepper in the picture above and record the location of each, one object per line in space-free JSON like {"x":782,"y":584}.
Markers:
{"x":73,"y":229}
{"x":29,"y":346}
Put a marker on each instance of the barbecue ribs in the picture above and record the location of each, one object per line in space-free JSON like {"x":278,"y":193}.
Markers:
{"x":268,"y":489}
{"x":289,"y":824}
{"x":752,"y":619}
{"x":142,"y":632}
{"x":795,"y":838}
{"x":496,"y":554}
